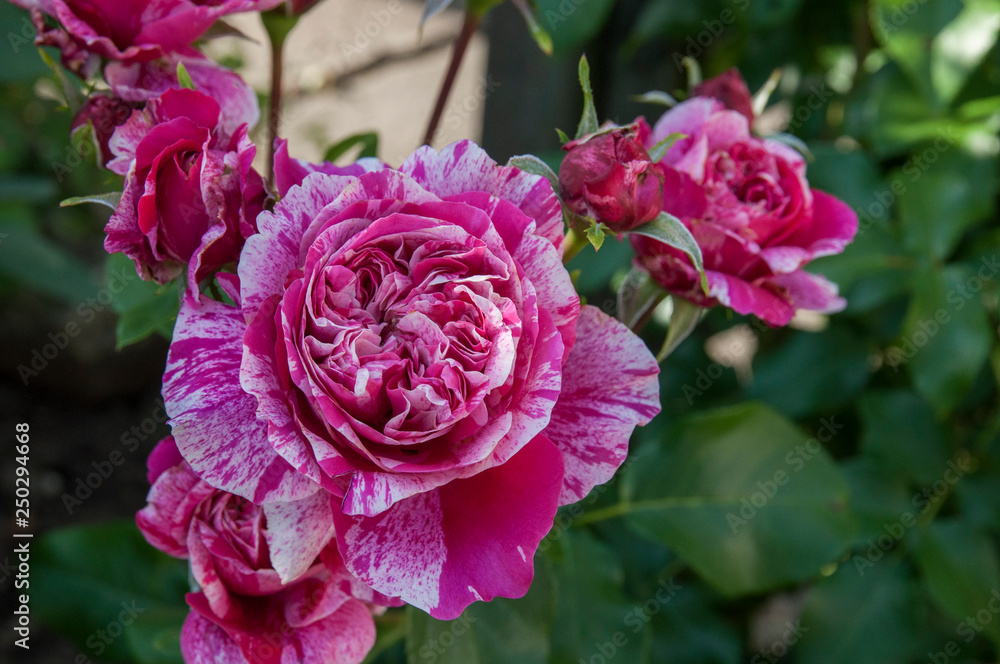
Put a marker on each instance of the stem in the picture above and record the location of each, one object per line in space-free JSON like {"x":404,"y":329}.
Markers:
{"x":603,"y":514}
{"x":274,"y":113}
{"x":461,"y":43}
{"x":574,"y":244}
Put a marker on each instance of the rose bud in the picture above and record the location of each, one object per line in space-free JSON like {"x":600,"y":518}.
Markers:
{"x":103,"y":112}
{"x":729,"y":88}
{"x":609,"y":176}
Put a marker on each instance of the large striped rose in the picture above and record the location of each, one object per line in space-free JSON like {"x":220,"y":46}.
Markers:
{"x":409,"y":342}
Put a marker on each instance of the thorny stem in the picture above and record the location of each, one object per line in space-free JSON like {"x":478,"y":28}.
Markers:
{"x":461,"y":44}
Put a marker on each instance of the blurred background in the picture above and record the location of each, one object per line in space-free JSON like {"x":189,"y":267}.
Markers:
{"x":897,"y":103}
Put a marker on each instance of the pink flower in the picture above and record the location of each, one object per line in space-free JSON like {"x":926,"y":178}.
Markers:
{"x":609,"y":176}
{"x":729,"y":88}
{"x":748,"y":204}
{"x":137,"y":30}
{"x":191,"y":195}
{"x":270,"y":582}
{"x":141,"y":82}
{"x":410,"y":343}
{"x":290,"y":172}
{"x":103,"y":113}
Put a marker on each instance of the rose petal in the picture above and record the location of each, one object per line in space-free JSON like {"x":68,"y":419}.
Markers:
{"x":609,"y":388}
{"x":469,"y":540}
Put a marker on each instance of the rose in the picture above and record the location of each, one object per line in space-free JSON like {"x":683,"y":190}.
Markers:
{"x":289,"y":172}
{"x":141,"y":82}
{"x":191,"y":195}
{"x":729,"y":88}
{"x":102,"y":113}
{"x":270,"y":583}
{"x":748,"y":204}
{"x":409,"y":342}
{"x":609,"y":176}
{"x":134,"y":31}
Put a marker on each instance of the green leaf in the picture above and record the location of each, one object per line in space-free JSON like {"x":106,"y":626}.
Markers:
{"x":588,"y":122}
{"x":84,"y":578}
{"x":940,"y":45}
{"x":656,"y":97}
{"x":529,"y":163}
{"x":595,"y":234}
{"x":496,"y":632}
{"x":671,"y":231}
{"x":592,"y":610}
{"x":946,"y":335}
{"x":109,"y":200}
{"x":901,"y":434}
{"x":684,"y":317}
{"x":143,"y":307}
{"x":563,"y":138}
{"x":367,"y":140}
{"x":824,"y":381}
{"x":959,"y":564}
{"x":878,"y":499}
{"x":572,"y":24}
{"x":944,"y":193}
{"x":183,"y":77}
{"x":743,"y":496}
{"x":27,"y":189}
{"x":862,"y":618}
{"x":658,"y":151}
{"x":538,"y":33}
{"x":689,"y":631}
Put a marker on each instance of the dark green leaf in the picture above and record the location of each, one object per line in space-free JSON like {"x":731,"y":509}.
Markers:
{"x":84,"y":578}
{"x":671,"y":231}
{"x":684,"y":317}
{"x":593,"y":614}
{"x":959,"y":564}
{"x":863,"y":618}
{"x":28,"y":258}
{"x":744,"y":497}
{"x":572,"y":23}
{"x":947,"y":335}
{"x":901,"y":433}
{"x":110,"y":200}
{"x":496,"y":632}
{"x":637,"y":295}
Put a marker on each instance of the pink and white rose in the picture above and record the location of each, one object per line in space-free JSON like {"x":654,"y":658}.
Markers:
{"x":748,"y":204}
{"x":409,"y":342}
{"x":271,"y":587}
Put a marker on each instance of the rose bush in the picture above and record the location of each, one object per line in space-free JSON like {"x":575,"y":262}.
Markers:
{"x":270,"y":584}
{"x":748,"y":204}
{"x":609,"y":176}
{"x":408,"y":342}
{"x":191,"y":194}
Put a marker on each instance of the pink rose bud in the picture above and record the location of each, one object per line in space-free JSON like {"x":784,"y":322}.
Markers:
{"x":104,"y":112}
{"x":609,"y":176}
{"x":729,"y":88}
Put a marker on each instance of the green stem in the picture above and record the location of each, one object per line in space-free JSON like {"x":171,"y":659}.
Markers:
{"x":603,"y":514}
{"x":574,"y":244}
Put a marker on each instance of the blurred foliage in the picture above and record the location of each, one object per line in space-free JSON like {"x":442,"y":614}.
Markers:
{"x":825,"y":493}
